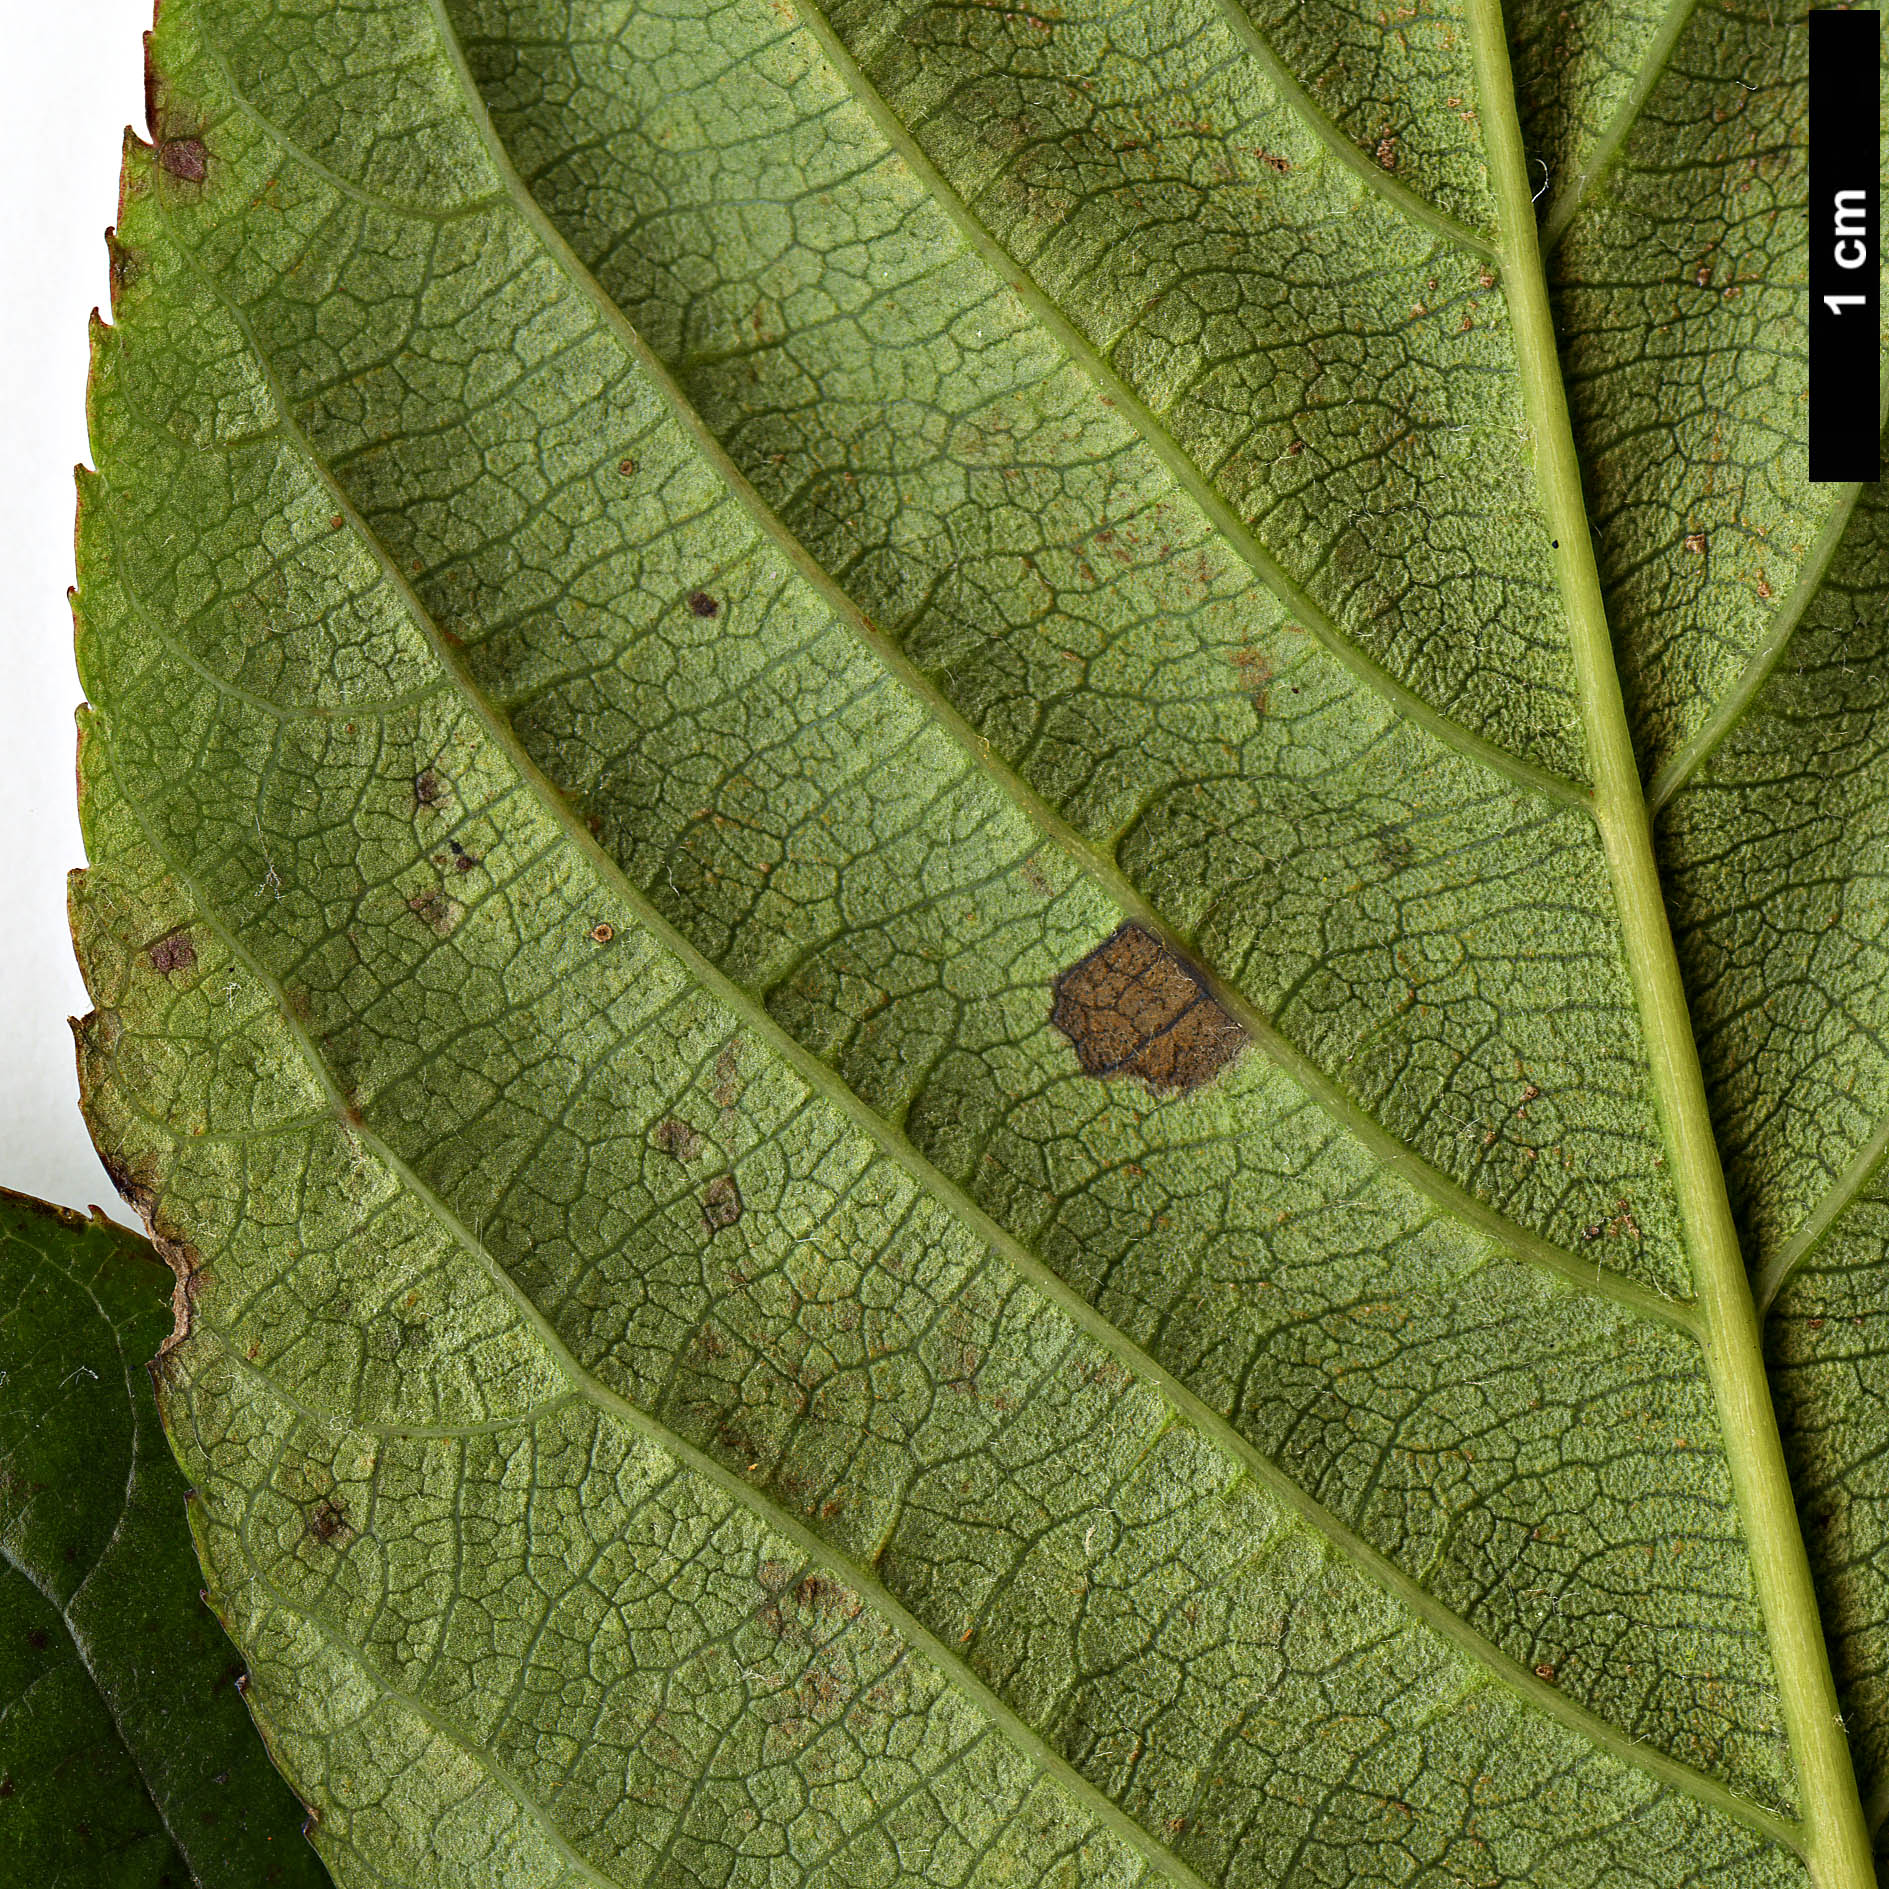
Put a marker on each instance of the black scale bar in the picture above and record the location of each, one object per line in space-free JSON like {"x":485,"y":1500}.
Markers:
{"x":1845,"y":227}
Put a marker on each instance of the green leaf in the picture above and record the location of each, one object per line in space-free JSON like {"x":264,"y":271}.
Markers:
{"x":872,"y":908}
{"x":126,"y":1761}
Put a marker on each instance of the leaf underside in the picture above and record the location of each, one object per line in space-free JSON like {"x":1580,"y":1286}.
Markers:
{"x":846,"y":908}
{"x":126,"y":1761}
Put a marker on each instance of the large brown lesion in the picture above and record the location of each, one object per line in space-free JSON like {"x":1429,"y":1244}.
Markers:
{"x":1133,"y":1007}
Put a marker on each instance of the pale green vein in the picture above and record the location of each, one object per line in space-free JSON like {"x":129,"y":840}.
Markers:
{"x":824,"y":1083}
{"x":1729,"y":710}
{"x":1335,"y":140}
{"x":1822,"y":1217}
{"x":79,"y":1652}
{"x":338,"y":181}
{"x":1568,"y":202}
{"x":1180,"y":465}
{"x":1426,"y":1179}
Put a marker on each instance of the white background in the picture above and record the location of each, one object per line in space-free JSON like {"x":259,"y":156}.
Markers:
{"x":75,"y":79}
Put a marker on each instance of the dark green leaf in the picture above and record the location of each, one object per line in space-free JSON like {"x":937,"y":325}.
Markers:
{"x":126,"y":1759}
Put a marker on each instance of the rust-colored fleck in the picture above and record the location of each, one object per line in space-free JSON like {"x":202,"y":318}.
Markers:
{"x":721,"y":1205}
{"x":678,"y":1138}
{"x":1255,"y":673}
{"x":701,"y":604}
{"x":1134,"y":1008}
{"x":626,"y":466}
{"x":1387,"y":151}
{"x":175,"y":953}
{"x":1545,"y":1671}
{"x":602,"y":934}
{"x":1695,"y":543}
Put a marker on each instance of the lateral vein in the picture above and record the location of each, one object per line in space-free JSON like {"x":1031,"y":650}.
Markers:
{"x":1330,"y":1096}
{"x":1189,"y":1408}
{"x":1568,"y":203}
{"x":1341,"y":146}
{"x":1731,"y":707}
{"x":1817,"y":1224}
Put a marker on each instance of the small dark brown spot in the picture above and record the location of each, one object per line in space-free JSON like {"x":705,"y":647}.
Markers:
{"x":436,"y":911}
{"x":702,"y":604}
{"x":327,"y":1520}
{"x":6,"y":1787}
{"x":1387,"y":151}
{"x":175,"y":953}
{"x":626,"y":466}
{"x":1545,"y":1671}
{"x":426,"y":788}
{"x":1132,"y":1007}
{"x":185,"y":158}
{"x":36,"y":1639}
{"x":678,"y":1139}
{"x":721,"y":1205}
{"x":463,"y":861}
{"x":602,"y":934}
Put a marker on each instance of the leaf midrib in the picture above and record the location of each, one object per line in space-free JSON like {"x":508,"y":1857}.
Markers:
{"x":1093,"y":360}
{"x":1588,"y":1276}
{"x":1837,"y":1841}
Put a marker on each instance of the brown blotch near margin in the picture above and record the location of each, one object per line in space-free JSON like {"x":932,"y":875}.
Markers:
{"x":721,"y":1205}
{"x":185,"y":158}
{"x":1134,"y":1008}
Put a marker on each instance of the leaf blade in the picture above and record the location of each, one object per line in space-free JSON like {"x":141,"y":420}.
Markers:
{"x":489,"y":816}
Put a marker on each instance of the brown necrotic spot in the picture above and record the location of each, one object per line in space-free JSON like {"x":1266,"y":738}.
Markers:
{"x":175,"y":953}
{"x":328,"y":1521}
{"x":1134,"y":1008}
{"x":678,"y":1138}
{"x":702,"y":604}
{"x":721,"y":1205}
